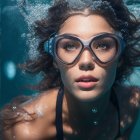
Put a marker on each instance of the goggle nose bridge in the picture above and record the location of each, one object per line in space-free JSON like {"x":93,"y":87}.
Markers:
{"x":87,"y":45}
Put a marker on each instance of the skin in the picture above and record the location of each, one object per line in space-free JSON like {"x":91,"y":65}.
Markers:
{"x":77,"y":103}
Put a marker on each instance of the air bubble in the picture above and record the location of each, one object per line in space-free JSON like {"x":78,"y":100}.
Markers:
{"x":123,"y":31}
{"x":23,"y":35}
{"x":32,"y":12}
{"x":14,"y":108}
{"x":135,"y":9}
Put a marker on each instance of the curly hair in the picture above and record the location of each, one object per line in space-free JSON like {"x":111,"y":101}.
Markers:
{"x":117,"y":15}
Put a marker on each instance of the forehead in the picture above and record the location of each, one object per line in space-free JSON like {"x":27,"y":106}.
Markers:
{"x":85,"y":26}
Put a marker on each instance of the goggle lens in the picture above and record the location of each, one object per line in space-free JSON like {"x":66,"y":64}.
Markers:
{"x":104,"y":48}
{"x":68,"y":49}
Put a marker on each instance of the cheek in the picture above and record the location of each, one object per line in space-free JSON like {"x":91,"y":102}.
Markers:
{"x":109,"y":76}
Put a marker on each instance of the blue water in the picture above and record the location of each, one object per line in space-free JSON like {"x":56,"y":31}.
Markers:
{"x":16,"y":40}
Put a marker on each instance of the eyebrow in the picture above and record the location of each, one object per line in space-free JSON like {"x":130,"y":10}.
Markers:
{"x":75,"y":35}
{"x":72,"y":34}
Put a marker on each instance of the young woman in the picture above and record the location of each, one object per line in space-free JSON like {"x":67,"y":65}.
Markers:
{"x":87,"y":49}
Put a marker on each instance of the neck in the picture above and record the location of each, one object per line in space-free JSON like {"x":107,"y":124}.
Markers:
{"x":85,"y":112}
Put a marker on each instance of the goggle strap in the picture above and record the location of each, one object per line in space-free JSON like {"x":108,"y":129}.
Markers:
{"x":48,"y":45}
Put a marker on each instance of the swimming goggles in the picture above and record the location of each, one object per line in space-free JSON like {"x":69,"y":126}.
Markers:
{"x":105,"y":48}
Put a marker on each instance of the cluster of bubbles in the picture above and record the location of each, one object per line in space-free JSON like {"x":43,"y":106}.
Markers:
{"x":31,"y":13}
{"x":134,"y":7}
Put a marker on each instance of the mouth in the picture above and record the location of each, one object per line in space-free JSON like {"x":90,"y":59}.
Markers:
{"x":86,"y":82}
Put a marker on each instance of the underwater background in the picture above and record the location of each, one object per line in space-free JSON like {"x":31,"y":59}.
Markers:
{"x":16,"y":19}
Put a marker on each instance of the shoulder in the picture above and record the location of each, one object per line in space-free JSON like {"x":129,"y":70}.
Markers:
{"x":37,"y":112}
{"x":129,"y":104}
{"x":42,"y":102}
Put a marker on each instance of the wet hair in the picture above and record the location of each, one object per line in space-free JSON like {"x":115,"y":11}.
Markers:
{"x":12,"y":114}
{"x":117,"y":15}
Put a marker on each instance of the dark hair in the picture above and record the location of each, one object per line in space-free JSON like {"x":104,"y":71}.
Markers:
{"x":117,"y":15}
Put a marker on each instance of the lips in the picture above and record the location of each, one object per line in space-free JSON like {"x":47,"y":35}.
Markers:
{"x":86,"y":82}
{"x":86,"y":79}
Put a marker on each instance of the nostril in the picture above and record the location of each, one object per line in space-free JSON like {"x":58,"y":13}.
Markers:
{"x":86,"y":67}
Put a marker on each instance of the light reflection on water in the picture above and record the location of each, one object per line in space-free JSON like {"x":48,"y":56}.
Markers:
{"x":10,"y":70}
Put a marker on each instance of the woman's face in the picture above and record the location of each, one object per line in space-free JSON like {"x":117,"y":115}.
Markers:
{"x":86,"y":80}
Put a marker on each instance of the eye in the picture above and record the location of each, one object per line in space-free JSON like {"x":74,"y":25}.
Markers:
{"x":70,"y":46}
{"x":104,"y":45}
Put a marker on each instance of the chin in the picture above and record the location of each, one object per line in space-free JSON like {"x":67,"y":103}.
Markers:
{"x":87,"y":95}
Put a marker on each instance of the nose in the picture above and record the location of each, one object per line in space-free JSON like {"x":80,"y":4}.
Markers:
{"x":86,"y":61}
